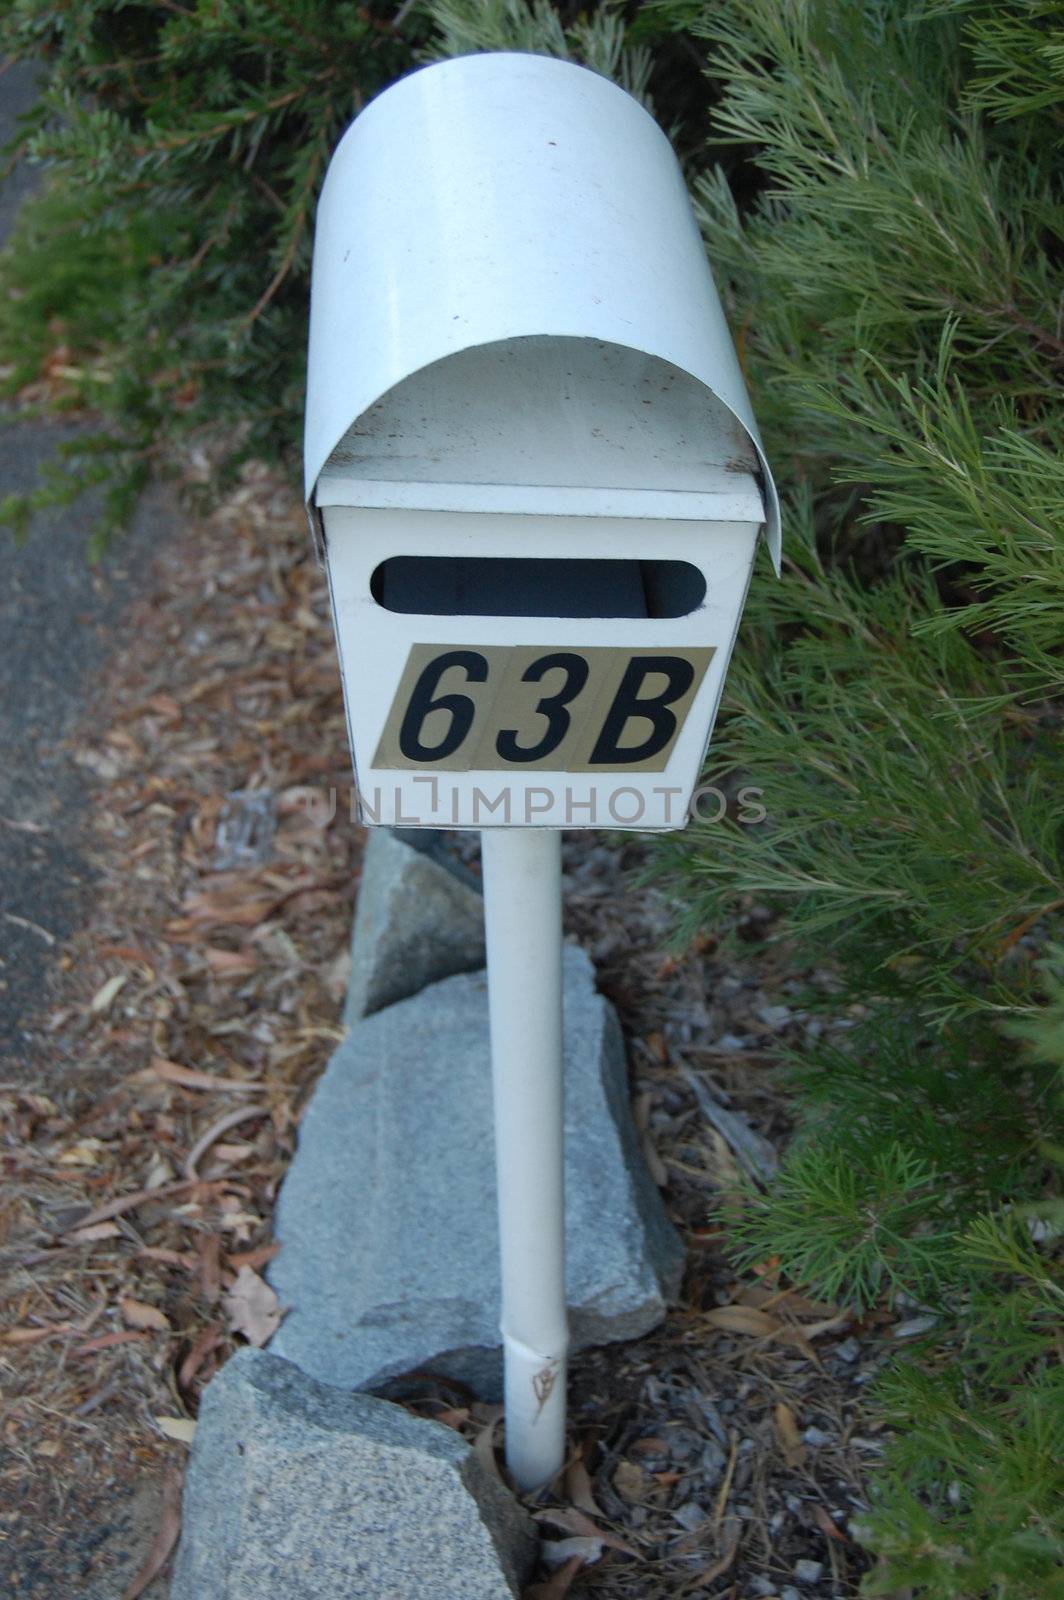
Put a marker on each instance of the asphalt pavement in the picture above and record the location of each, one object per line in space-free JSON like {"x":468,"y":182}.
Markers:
{"x":62,"y":623}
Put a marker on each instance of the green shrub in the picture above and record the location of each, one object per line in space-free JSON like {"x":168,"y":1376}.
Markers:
{"x":898,"y":698}
{"x":184,"y":146}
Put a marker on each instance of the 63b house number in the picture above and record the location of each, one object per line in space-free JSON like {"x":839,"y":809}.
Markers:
{"x":482,"y":708}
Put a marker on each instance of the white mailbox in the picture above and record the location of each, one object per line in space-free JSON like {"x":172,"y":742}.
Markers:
{"x":531,"y":460}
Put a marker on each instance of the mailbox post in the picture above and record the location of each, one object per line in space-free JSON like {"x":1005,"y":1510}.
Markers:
{"x":523,"y":917}
{"x":536,"y":481}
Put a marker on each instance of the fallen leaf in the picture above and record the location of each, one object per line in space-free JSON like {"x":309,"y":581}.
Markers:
{"x":578,"y":1487}
{"x":239,"y":1223}
{"x":558,"y":1584}
{"x":187,"y":1078}
{"x":104,"y":997}
{"x":86,"y":1153}
{"x":723,"y":1171}
{"x":729,"y":1544}
{"x":726,"y":1485}
{"x":206,"y":911}
{"x":827,"y":1524}
{"x":165,"y":1537}
{"x":628,"y":1480}
{"x":813,"y":1330}
{"x":791,"y":1333}
{"x":165,"y":704}
{"x":183,"y":1429}
{"x":126,"y":952}
{"x":788,"y":1435}
{"x":209,"y":1252}
{"x":484,"y":1443}
{"x":35,"y":1335}
{"x":23,"y":827}
{"x":650,"y":1446}
{"x":92,"y":1236}
{"x":254,"y":1258}
{"x":572,"y":1521}
{"x":159,"y":1172}
{"x":743,"y":1319}
{"x":234,"y":1154}
{"x":205,"y":1140}
{"x":30,"y":927}
{"x":337,"y":975}
{"x":170,"y":1258}
{"x":770,"y":1298}
{"x":555,"y":1552}
{"x":454,"y":1417}
{"x":230,"y":963}
{"x":206,"y":1340}
{"x":39,"y":1104}
{"x":138,"y":1315}
{"x":102,"y":1230}
{"x":106,"y":1341}
{"x":252,"y":1307}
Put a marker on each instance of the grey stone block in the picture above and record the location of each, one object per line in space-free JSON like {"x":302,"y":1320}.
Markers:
{"x":417,"y":920}
{"x":389,"y":1239}
{"x":299,"y":1490}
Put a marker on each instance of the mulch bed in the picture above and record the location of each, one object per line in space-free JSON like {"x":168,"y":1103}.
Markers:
{"x":722,"y":1456}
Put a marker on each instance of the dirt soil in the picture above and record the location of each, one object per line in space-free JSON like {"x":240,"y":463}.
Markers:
{"x":724,"y":1455}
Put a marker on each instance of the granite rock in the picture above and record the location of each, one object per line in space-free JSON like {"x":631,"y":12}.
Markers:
{"x":419,"y":918}
{"x":300,"y":1490}
{"x":389,"y":1239}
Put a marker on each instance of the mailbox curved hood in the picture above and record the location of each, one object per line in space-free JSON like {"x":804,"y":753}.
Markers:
{"x":497,"y":198}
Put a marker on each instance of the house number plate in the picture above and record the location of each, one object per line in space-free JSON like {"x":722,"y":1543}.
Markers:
{"x":477,"y":708}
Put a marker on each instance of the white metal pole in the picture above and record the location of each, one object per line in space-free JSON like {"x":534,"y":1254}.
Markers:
{"x":522,"y":908}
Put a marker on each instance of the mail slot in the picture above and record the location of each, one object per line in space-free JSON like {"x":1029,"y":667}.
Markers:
{"x":532,"y":466}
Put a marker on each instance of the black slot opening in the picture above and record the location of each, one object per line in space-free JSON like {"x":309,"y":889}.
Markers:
{"x":533,"y":586}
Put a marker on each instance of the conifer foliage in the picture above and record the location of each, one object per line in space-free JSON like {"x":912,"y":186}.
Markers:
{"x":897,"y":282}
{"x":879,"y":185}
{"x":185,"y":145}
